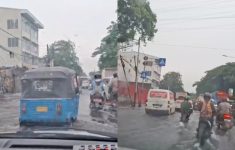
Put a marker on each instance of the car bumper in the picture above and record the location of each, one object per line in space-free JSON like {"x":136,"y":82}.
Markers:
{"x":156,"y":111}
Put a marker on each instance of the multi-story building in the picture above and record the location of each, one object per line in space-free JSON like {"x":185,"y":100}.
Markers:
{"x":147,"y":64}
{"x":19,"y":38}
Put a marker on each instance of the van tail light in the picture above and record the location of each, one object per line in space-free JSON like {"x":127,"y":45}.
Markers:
{"x":227,"y":116}
{"x":59,"y":109}
{"x":23,"y":108}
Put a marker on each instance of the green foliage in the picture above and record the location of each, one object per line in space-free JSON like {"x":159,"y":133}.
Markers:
{"x":219,"y":78}
{"x":172,"y":81}
{"x":135,"y":18}
{"x":63,"y":53}
{"x":108,"y":48}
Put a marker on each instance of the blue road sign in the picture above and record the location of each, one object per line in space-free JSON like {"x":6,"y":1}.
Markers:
{"x":162,"y":61}
{"x":143,"y":74}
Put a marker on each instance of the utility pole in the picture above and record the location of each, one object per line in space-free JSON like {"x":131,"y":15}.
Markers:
{"x":48,"y":57}
{"x":142,"y":87}
{"x":136,"y":73}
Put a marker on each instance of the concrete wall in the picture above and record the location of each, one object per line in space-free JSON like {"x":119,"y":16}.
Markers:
{"x":11,"y":78}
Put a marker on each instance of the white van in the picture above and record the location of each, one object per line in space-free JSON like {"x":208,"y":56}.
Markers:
{"x":160,"y":101}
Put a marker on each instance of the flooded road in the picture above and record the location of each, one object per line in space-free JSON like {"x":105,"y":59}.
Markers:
{"x":141,"y":131}
{"x":87,"y":119}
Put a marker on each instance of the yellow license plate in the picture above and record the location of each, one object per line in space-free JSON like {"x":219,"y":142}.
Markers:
{"x":42,"y":109}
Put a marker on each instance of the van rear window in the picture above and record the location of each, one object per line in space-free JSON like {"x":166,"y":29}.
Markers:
{"x":158,"y":94}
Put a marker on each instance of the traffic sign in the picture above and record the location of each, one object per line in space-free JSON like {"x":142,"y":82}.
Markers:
{"x":145,"y":58}
{"x":147,"y":63}
{"x":143,"y":75}
{"x":148,"y":73}
{"x":162,"y":61}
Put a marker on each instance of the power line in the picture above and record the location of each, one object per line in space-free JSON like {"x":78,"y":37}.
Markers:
{"x":10,"y":51}
{"x":222,"y":26}
{"x":22,"y":40}
{"x":192,"y":6}
{"x":192,"y":46}
{"x":204,"y":18}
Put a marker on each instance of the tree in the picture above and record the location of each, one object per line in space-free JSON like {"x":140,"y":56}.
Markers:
{"x":63,"y":53}
{"x":108,"y":48}
{"x":219,"y":78}
{"x":172,"y":81}
{"x":135,"y":18}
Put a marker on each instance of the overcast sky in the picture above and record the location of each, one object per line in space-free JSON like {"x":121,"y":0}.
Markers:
{"x":193,"y":35}
{"x":82,"y":21}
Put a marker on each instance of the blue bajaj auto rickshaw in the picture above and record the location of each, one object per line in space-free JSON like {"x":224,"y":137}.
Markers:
{"x":49,"y":95}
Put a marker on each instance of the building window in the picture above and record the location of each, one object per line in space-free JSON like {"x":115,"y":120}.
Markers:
{"x":13,"y":42}
{"x":12,"y":24}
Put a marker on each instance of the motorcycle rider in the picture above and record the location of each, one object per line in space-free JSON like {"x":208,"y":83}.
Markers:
{"x":223,"y":108}
{"x":113,"y":87}
{"x":186,"y":107}
{"x":97,"y":86}
{"x":207,"y":110}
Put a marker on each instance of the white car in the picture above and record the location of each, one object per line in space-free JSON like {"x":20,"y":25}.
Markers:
{"x":160,"y":101}
{"x":85,"y":84}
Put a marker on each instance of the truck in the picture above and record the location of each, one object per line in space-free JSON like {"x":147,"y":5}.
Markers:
{"x":179,"y":98}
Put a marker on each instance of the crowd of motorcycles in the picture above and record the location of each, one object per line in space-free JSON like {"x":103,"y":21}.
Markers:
{"x":224,"y":123}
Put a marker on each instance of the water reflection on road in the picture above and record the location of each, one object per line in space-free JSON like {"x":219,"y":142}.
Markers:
{"x":9,"y":115}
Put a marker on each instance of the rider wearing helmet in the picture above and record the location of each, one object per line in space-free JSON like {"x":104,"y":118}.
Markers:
{"x":223,"y":108}
{"x":186,"y":107}
{"x":97,"y":86}
{"x":207,"y":109}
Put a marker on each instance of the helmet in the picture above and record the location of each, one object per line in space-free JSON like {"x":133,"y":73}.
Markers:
{"x":207,"y":95}
{"x":97,"y":76}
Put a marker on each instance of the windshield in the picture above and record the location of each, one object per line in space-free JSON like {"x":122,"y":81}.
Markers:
{"x":158,"y":94}
{"x":48,"y":60}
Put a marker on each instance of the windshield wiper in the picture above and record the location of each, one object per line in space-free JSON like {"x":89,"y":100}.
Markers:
{"x":65,"y":135}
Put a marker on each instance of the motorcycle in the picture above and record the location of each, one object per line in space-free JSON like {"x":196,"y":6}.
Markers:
{"x":97,"y":101}
{"x":225,"y":122}
{"x":185,"y":116}
{"x":204,"y":131}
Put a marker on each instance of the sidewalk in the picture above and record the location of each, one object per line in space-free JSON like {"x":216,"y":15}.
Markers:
{"x":10,"y":96}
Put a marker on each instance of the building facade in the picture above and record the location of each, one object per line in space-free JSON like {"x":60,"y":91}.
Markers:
{"x":19,"y":38}
{"x":148,"y":64}
{"x":108,"y":72}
